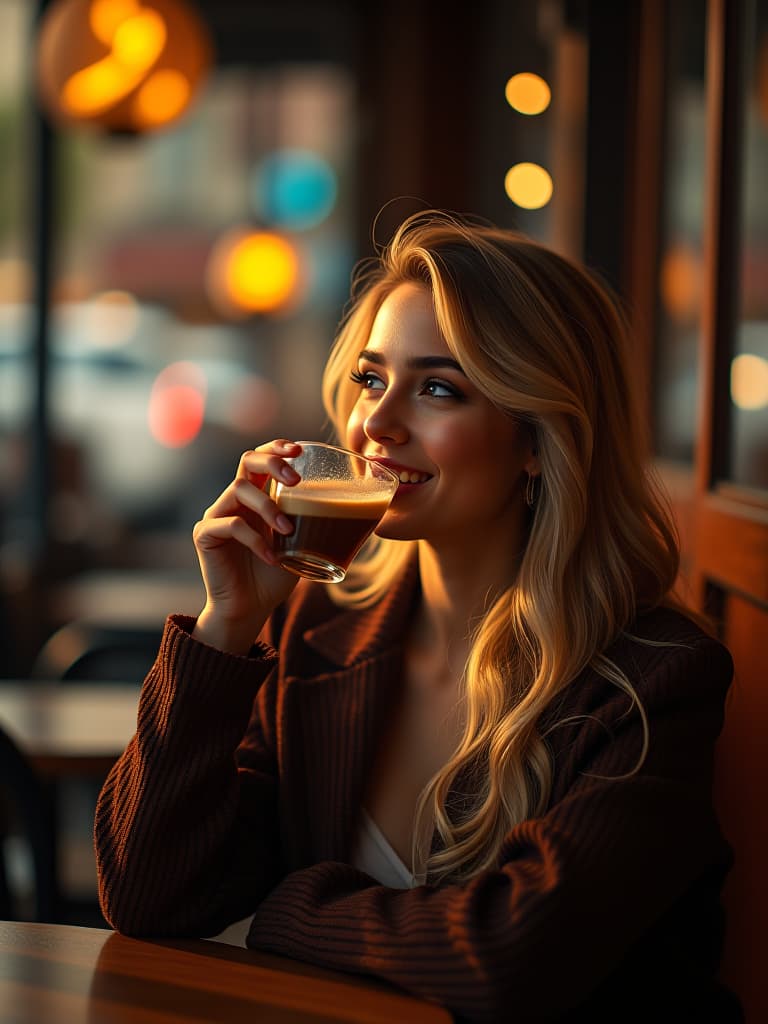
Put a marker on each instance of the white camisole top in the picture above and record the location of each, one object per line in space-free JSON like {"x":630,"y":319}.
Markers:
{"x":376,"y":858}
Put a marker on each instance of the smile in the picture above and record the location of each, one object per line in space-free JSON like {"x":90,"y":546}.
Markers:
{"x":411,"y":477}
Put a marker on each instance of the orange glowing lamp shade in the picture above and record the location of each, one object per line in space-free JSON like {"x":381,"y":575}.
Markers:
{"x":176,"y":408}
{"x":255,"y":272}
{"x":127,"y":65}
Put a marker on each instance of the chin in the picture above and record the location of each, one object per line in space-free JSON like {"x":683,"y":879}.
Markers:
{"x":395,"y":531}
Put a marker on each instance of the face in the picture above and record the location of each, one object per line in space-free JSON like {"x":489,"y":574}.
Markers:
{"x":462,"y":462}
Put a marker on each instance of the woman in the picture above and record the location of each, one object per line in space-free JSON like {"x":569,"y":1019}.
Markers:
{"x":479,"y":768}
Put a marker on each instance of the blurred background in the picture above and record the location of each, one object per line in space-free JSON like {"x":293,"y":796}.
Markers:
{"x":185,"y":188}
{"x":170,"y":280}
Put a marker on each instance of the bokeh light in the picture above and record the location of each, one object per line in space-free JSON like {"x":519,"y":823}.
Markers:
{"x":294,"y":188}
{"x":749,"y":381}
{"x":130,"y":65}
{"x":681,"y":282}
{"x":528,"y":93}
{"x":176,"y":408}
{"x":111,"y":319}
{"x":254,"y":272}
{"x":528,"y":185}
{"x":253,"y":405}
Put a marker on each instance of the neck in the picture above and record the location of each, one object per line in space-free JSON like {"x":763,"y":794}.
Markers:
{"x":458,"y":587}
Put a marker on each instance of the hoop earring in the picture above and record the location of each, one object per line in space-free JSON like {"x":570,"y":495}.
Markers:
{"x":532,"y":490}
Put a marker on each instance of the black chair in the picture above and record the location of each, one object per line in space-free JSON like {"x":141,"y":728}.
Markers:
{"x":26,"y":834}
{"x":83,"y":651}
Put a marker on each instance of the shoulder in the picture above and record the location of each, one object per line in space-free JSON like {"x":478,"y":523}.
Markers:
{"x":666,"y":645}
{"x":666,"y":659}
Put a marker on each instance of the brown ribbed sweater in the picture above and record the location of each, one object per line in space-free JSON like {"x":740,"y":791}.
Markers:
{"x":240,"y":794}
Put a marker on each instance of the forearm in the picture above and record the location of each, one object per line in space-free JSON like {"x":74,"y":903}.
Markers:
{"x":170,"y":813}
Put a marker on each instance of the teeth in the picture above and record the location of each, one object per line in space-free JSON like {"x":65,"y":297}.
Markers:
{"x":412,"y":478}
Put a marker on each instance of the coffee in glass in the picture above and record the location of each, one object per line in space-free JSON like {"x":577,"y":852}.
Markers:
{"x":334,"y":508}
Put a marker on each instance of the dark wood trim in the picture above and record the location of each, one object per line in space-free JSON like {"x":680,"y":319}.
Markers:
{"x":645,"y":195}
{"x":725,"y":45}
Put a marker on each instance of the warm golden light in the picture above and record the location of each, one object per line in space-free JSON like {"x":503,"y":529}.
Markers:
{"x":126,"y":64}
{"x":528,"y":185}
{"x":254,"y":272}
{"x":106,"y":16}
{"x":681,"y":282}
{"x":749,"y":382}
{"x":139,"y":41}
{"x":528,"y":93}
{"x":161,"y":98}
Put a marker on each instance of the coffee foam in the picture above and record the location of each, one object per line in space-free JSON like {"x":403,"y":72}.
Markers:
{"x":325,"y":498}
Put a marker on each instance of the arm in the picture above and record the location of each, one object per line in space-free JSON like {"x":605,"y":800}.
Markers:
{"x":185,"y":843}
{"x":576,"y":888}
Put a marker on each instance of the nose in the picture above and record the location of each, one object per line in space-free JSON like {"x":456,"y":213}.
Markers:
{"x":386,"y":423}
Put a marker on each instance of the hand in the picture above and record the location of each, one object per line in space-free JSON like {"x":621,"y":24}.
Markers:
{"x":243,"y":581}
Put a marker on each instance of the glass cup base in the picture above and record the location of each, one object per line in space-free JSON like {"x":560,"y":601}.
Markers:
{"x":312,"y":567}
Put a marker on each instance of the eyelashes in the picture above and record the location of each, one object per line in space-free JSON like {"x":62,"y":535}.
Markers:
{"x":429,"y":387}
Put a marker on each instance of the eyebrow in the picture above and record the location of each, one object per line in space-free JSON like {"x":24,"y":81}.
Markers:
{"x":415,"y":362}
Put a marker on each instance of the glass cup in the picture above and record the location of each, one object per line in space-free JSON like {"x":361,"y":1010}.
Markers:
{"x":334,"y":508}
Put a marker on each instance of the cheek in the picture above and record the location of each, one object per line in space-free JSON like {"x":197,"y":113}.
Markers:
{"x":354,"y":434}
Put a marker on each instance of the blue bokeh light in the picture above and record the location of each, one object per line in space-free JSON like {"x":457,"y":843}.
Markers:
{"x":294,"y":189}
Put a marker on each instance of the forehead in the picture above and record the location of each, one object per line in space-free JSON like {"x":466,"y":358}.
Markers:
{"x":406,"y":320}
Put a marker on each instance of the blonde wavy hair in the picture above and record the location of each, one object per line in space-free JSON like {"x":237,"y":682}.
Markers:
{"x":547,"y":343}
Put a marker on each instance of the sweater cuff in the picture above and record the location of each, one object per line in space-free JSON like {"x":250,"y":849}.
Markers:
{"x":184,"y":662}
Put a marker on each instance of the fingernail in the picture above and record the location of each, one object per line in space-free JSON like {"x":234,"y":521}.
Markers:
{"x":284,"y":524}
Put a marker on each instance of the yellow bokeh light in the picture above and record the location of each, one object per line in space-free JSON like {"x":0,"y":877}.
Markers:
{"x":140,"y":40}
{"x":528,"y":185}
{"x":254,"y":272}
{"x":749,"y":382}
{"x":528,"y":93}
{"x":161,"y":97}
{"x":105,"y":16}
{"x":137,"y":43}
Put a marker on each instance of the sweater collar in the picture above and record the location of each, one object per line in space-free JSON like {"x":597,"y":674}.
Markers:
{"x":354,"y":634}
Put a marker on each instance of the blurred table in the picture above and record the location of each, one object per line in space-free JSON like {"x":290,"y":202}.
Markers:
{"x":66,"y":973}
{"x":137,"y":597}
{"x":67,"y":729}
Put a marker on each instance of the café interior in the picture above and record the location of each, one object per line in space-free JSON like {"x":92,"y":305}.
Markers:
{"x":175,"y":256}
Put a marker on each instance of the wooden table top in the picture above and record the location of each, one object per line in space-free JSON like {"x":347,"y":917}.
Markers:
{"x":68,"y":728}
{"x":66,"y":973}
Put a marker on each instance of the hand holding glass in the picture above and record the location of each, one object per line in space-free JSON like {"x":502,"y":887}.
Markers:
{"x":334,"y":508}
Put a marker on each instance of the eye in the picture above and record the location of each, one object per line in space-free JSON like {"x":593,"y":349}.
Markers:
{"x":367,"y":381}
{"x":440,"y":389}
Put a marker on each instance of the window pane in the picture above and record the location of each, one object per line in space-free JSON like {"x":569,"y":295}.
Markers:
{"x":158,"y":380}
{"x":749,"y":369}
{"x":16,"y":376}
{"x":681,"y":250}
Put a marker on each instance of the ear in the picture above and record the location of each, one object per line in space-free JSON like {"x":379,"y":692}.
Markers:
{"x":532,"y":465}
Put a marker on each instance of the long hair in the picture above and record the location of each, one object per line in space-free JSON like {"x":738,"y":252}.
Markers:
{"x":546,"y":343}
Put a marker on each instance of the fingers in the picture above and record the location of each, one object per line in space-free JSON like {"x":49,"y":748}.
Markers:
{"x":244,"y":511}
{"x":243,"y":498}
{"x":259,"y":464}
{"x":212,"y":532}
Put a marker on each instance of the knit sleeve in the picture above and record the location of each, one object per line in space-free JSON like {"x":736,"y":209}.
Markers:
{"x":576,"y":889}
{"x":185,"y":844}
